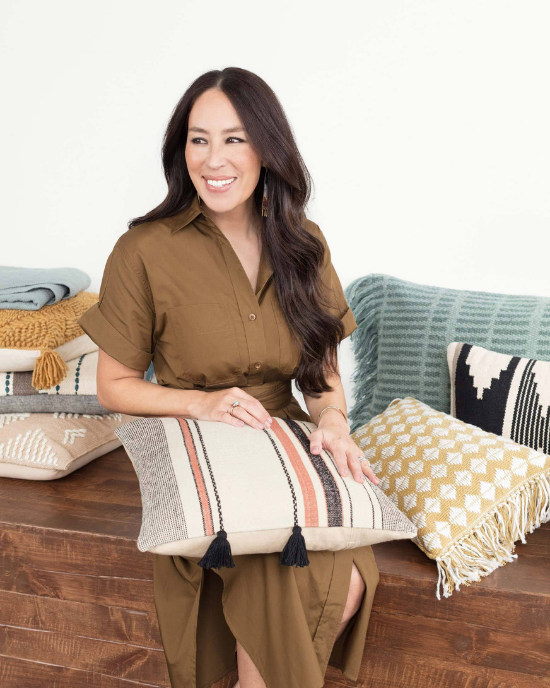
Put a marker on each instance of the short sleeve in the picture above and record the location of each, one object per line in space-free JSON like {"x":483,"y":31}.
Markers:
{"x":339,"y":306}
{"x":122,"y":321}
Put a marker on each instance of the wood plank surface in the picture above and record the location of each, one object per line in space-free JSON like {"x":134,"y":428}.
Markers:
{"x":77,"y":606}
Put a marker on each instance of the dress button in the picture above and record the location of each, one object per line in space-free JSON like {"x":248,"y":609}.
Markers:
{"x":257,"y":365}
{"x":252,"y":316}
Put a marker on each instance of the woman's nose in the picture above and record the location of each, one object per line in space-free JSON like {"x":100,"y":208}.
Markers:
{"x":215,"y":158}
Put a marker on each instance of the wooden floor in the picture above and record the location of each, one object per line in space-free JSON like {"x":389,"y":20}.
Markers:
{"x":77,"y":610}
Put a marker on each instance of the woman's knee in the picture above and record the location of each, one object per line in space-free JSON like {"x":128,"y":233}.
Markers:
{"x":356,"y":592}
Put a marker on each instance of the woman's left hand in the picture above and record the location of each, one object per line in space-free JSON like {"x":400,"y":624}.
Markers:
{"x":336,"y":439}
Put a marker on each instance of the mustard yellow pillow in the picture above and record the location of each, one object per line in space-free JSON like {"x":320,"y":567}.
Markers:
{"x":44,"y":340}
{"x":470,"y":493}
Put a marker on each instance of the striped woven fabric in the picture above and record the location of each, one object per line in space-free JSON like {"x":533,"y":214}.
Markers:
{"x":400,"y":344}
{"x":210,"y":488}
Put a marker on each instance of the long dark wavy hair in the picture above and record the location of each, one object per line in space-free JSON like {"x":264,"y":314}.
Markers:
{"x":296,"y":255}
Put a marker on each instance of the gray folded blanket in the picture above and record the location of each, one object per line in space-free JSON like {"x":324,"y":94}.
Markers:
{"x":33,"y":288}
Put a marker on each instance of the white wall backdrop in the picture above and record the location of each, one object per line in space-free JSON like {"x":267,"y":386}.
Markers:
{"x":424,"y":125}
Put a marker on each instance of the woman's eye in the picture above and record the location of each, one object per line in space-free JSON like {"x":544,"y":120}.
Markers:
{"x":231,"y":138}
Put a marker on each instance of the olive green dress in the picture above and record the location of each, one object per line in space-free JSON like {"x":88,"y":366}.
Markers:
{"x":175,"y":293}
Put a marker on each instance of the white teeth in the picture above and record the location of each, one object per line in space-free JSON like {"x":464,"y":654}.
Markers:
{"x":221,"y":182}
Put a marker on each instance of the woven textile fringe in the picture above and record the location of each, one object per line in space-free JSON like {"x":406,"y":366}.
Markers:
{"x":491,"y":544}
{"x":364,"y":301}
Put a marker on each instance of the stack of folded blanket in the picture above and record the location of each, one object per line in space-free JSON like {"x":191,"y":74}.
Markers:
{"x":51,"y":422}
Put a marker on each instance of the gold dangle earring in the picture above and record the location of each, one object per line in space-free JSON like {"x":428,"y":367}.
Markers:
{"x":264,"y":199}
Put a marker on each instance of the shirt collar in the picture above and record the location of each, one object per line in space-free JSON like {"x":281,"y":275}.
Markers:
{"x":184,"y":217}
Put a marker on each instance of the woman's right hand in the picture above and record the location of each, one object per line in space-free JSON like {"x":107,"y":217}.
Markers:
{"x":216,"y":406}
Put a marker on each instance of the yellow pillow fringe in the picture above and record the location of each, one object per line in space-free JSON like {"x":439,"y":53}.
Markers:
{"x":492,"y":543}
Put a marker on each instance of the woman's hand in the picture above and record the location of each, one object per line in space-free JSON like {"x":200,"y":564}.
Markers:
{"x":216,"y":405}
{"x":333,"y":434}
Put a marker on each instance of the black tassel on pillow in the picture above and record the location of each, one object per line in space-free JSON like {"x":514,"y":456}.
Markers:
{"x":218,"y":554}
{"x":295,"y":552}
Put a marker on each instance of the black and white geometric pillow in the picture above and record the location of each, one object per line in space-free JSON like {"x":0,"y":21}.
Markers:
{"x":502,"y":394}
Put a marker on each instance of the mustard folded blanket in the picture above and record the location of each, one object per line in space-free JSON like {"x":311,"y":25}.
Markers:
{"x":45,"y":329}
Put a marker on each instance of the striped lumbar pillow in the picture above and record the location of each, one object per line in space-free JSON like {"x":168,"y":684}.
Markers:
{"x":404,"y":329}
{"x":507,"y":395}
{"x":259,"y":490}
{"x":470,"y":493}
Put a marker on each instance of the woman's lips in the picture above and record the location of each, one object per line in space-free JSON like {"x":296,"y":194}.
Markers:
{"x":219,"y":189}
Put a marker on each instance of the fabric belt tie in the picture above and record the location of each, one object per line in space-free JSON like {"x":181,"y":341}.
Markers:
{"x":273,"y":395}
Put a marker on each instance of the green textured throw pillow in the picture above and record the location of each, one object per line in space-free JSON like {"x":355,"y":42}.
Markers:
{"x":404,"y":328}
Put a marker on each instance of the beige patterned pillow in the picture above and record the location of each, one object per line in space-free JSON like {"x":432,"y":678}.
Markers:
{"x":46,"y":446}
{"x":470,"y":493}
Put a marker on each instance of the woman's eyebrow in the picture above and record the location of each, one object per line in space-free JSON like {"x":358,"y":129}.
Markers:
{"x":224,"y":131}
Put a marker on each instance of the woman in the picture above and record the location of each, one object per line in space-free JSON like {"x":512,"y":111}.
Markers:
{"x":231,"y":301}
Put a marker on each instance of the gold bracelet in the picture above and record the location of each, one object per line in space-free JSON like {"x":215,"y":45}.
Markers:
{"x":334,"y":407}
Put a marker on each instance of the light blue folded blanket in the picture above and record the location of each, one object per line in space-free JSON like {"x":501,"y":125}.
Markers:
{"x":33,"y":288}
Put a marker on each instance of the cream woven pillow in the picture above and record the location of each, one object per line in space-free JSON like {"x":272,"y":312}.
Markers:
{"x":258,"y":490}
{"x":470,"y":493}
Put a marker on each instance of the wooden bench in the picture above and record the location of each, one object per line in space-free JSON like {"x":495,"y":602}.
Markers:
{"x":77,"y":609}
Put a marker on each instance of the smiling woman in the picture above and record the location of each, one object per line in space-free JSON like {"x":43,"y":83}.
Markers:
{"x":232,"y":304}
{"x":224,"y":168}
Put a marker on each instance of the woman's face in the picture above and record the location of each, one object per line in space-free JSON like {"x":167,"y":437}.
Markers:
{"x":215,"y":153}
